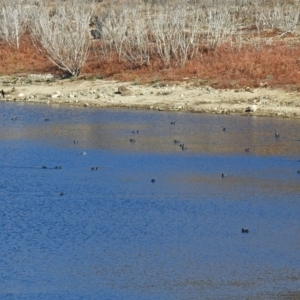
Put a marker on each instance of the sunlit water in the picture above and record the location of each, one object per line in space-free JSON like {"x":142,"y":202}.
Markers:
{"x":114,"y":234}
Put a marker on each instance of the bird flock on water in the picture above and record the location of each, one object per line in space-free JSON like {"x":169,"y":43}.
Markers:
{"x":133,"y":140}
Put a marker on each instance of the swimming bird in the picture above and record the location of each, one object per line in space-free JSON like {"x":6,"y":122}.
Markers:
{"x":224,"y":175}
{"x":245,"y":230}
{"x":298,"y":172}
{"x":47,"y":120}
{"x":152,"y":180}
{"x":75,"y":142}
{"x":135,"y":131}
{"x":83,"y":153}
{"x":61,"y":193}
{"x":44,"y":167}
{"x":277,"y":135}
{"x":57,"y":167}
{"x":94,"y":168}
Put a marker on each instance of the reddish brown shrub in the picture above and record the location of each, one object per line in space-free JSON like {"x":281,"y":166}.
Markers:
{"x":24,"y":60}
{"x":278,"y":65}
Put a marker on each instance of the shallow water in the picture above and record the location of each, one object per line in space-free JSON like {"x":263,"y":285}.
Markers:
{"x":115,"y":235}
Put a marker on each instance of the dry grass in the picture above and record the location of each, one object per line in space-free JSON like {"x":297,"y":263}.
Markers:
{"x":24,"y":60}
{"x":278,"y":65}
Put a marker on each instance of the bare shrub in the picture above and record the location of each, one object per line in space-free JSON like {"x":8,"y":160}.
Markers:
{"x":125,"y":30}
{"x":174,"y":28}
{"x":136,"y":47}
{"x":236,"y":36}
{"x":113,"y":27}
{"x":220,"y":26}
{"x":63,"y":34}
{"x":137,"y":31}
{"x":163,"y":29}
{"x":12,"y":22}
{"x":282,"y":17}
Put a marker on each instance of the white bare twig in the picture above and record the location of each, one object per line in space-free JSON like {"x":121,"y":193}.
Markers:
{"x":12,"y":22}
{"x":125,"y":30}
{"x":63,"y":37}
{"x":282,"y":17}
{"x":175,"y":30}
{"x":220,"y":27}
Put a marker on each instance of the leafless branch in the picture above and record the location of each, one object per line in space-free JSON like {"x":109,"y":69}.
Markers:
{"x":63,"y":36}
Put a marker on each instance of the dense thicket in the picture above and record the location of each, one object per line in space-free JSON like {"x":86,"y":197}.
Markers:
{"x":165,"y":34}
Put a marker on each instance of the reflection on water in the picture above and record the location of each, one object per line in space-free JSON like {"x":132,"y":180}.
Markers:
{"x":113,"y":129}
{"x":115,"y":235}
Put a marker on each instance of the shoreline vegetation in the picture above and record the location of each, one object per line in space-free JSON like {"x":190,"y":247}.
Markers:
{"x":224,"y":57}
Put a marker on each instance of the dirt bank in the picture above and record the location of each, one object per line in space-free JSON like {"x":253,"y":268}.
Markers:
{"x":181,"y":96}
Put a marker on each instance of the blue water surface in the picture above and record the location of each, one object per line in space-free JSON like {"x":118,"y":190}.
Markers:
{"x":111,"y":233}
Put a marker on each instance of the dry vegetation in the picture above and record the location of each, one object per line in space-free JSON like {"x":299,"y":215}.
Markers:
{"x":225,"y":44}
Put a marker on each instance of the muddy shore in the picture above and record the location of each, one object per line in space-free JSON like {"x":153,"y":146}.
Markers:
{"x":185,"y":96}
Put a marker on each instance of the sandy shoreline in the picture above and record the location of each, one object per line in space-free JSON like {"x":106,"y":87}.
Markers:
{"x":184,"y":96}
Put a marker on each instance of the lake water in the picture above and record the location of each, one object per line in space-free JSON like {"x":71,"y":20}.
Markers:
{"x":114,"y":235}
